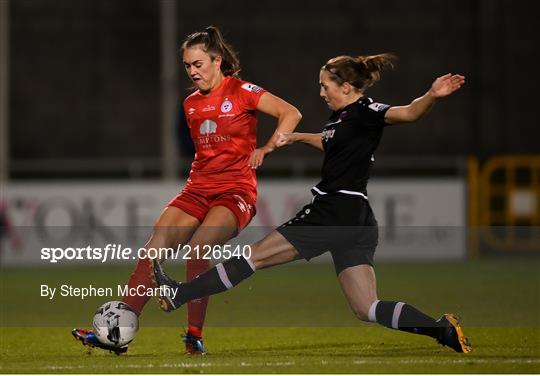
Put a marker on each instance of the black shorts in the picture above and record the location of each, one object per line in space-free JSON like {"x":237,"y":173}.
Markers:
{"x":339,"y":223}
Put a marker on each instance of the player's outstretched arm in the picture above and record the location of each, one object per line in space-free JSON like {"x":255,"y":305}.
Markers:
{"x":288,"y":118}
{"x":311,"y":139}
{"x":442,"y":87}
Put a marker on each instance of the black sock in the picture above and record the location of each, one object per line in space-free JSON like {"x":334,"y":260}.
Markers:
{"x":220,"y":278}
{"x":401,"y":316}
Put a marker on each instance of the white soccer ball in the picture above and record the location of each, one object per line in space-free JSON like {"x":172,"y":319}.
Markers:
{"x":115,"y":323}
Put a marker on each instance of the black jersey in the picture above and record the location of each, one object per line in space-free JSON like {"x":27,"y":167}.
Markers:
{"x":349,"y":140}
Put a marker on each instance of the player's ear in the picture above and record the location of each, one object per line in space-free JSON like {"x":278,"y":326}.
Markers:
{"x":346,"y":88}
{"x":217,"y":61}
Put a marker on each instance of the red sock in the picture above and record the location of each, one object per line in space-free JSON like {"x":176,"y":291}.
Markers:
{"x":197,"y":307}
{"x":140,"y":276}
{"x":195,"y":331}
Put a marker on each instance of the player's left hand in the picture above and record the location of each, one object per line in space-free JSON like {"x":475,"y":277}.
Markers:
{"x":257,"y":157}
{"x":285,"y":139}
{"x":446,"y":85}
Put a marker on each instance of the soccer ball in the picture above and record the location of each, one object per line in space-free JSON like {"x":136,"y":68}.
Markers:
{"x":115,"y":324}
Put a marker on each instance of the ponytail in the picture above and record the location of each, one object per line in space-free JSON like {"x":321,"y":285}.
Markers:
{"x":214,"y":44}
{"x":360,"y":71}
{"x":375,"y":64}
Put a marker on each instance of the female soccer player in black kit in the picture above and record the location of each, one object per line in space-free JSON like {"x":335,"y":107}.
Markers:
{"x":339,"y":219}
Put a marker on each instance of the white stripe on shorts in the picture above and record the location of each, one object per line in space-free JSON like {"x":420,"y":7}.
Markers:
{"x":318,"y":191}
{"x":397,"y":313}
{"x":223,"y":276}
{"x":354,"y":193}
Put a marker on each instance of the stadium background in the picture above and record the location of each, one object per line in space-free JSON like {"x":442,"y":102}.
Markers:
{"x":91,"y":147}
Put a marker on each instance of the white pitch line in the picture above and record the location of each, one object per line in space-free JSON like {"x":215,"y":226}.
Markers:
{"x":449,"y":361}
{"x":466,"y":360}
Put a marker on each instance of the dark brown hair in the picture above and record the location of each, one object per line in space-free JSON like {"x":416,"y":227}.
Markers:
{"x":360,"y":71}
{"x":213,"y":44}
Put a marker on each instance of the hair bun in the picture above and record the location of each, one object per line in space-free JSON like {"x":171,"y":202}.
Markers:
{"x":359,"y":71}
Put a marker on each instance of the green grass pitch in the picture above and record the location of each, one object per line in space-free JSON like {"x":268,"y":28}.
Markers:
{"x":289,"y":319}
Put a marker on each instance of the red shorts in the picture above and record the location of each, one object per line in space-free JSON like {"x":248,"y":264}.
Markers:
{"x":197,"y":204}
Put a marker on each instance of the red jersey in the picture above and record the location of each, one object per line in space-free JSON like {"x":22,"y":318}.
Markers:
{"x":223,"y":127}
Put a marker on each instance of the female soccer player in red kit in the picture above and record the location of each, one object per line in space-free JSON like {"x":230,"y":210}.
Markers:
{"x":220,"y":195}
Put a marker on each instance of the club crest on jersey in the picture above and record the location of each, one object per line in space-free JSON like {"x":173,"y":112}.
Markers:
{"x":328,"y":134}
{"x":208,"y":127}
{"x":226,"y":106}
{"x":252,"y":88}
{"x":378,"y":106}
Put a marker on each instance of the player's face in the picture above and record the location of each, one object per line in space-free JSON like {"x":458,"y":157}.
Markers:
{"x":204,"y":71}
{"x":331,"y":92}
